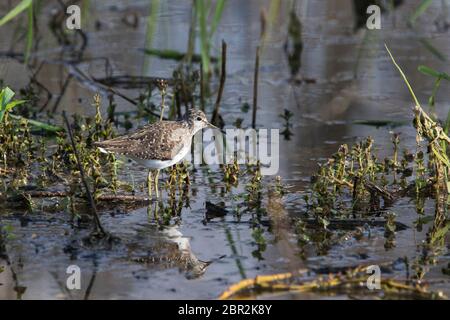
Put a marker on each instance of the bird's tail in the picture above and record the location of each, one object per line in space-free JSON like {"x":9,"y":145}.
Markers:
{"x":111,"y":146}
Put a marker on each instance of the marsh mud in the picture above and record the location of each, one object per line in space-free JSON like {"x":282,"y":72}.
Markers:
{"x":201,"y":251}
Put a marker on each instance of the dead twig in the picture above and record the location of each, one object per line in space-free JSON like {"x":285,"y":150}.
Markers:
{"x":348,"y":280}
{"x":98,"y":224}
{"x":101,"y":197}
{"x":131,"y":82}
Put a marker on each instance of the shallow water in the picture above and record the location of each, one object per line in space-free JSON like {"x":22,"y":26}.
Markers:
{"x":41,"y":245}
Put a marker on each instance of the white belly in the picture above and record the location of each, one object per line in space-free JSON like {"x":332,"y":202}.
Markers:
{"x":161,"y":164}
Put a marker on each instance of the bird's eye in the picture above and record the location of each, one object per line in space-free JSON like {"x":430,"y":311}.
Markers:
{"x":199,"y":119}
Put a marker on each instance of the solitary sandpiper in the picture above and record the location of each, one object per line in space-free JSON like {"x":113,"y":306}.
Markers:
{"x":158,"y":145}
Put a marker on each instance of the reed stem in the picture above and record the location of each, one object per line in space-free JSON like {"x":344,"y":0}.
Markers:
{"x":255,"y":88}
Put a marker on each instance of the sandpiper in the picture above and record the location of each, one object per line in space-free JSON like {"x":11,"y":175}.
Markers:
{"x":158,"y":145}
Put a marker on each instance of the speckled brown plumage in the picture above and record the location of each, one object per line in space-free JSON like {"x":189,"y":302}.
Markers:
{"x":161,"y":140}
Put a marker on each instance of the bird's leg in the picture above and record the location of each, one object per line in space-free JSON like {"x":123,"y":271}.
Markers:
{"x":162,"y":112}
{"x":156,"y":183}
{"x":163,"y":98}
{"x":149,"y":183}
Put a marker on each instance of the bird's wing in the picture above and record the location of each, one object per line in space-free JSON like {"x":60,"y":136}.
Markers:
{"x":154,"y":141}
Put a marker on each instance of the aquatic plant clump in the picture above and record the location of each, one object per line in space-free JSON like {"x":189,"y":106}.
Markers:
{"x":355,"y":182}
{"x":33,"y":162}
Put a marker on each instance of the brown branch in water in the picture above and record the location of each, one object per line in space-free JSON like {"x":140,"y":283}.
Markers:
{"x":223,"y":76}
{"x":102,"y":197}
{"x":255,"y":88}
{"x":98,"y":225}
{"x":381,"y":191}
{"x":353,"y":278}
{"x":47,"y":194}
{"x":124,"y":198}
{"x":132,"y":82}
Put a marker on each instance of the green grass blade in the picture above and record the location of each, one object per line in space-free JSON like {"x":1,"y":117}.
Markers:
{"x":423,"y":6}
{"x":437,"y":84}
{"x":152,"y":22}
{"x":438,"y":54}
{"x":13,"y":104}
{"x":447,"y":123}
{"x":30,"y":33}
{"x":274,"y":10}
{"x":217,"y":16}
{"x":24,"y":4}
{"x":204,"y":39}
{"x":38,"y":124}
{"x":440,"y":233}
{"x":86,"y":6}
{"x":428,"y":71}
{"x":416,"y":101}
{"x":434,"y":73}
{"x":5,"y":97}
